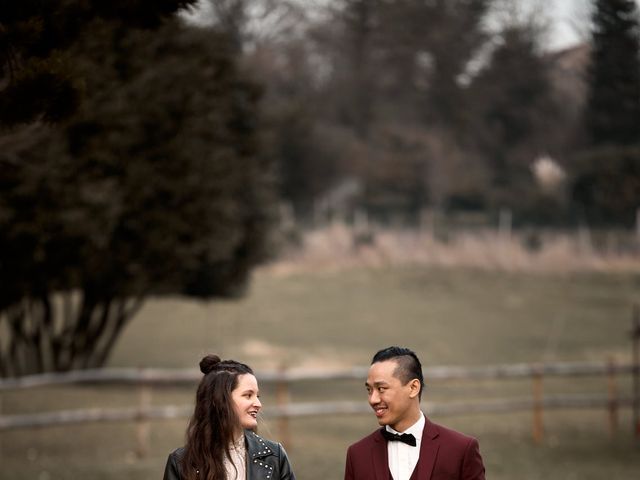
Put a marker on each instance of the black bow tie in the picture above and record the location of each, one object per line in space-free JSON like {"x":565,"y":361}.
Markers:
{"x":396,"y":437}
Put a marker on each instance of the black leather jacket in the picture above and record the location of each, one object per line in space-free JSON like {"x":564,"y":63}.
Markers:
{"x":266,"y":460}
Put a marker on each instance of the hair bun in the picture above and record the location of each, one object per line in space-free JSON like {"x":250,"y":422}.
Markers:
{"x":209,"y":363}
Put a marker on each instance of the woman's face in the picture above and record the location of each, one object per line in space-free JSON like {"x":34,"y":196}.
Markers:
{"x":246,"y":401}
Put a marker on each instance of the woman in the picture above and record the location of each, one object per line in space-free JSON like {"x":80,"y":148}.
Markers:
{"x":221,"y":442}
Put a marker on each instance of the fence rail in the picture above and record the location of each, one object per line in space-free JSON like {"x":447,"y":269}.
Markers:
{"x":172,"y":412}
{"x":177,"y":377}
{"x":145,"y":379}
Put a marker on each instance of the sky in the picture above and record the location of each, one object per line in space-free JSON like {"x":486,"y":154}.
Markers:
{"x":568,"y":19}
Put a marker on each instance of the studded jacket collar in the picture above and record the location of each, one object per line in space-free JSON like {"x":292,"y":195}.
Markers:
{"x":266,"y":460}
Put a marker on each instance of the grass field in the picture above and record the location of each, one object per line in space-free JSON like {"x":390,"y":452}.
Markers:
{"x":339,"y":318}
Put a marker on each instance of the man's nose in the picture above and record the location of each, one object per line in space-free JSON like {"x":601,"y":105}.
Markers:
{"x":374,"y":397}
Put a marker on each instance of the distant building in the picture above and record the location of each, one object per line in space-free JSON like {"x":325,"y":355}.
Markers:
{"x":569,"y":74}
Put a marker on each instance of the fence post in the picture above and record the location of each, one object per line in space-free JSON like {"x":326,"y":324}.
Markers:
{"x":538,"y":424}
{"x":143,"y":426}
{"x":612,"y":404}
{"x":505,"y":219}
{"x":635,"y":352}
{"x":584,"y":239}
{"x":427,"y":223}
{"x":283,"y":399}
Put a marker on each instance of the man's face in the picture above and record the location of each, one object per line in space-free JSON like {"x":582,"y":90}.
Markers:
{"x":394,"y":404}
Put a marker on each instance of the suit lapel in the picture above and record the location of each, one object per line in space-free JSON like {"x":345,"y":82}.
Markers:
{"x":380,"y":457}
{"x":428,"y":450}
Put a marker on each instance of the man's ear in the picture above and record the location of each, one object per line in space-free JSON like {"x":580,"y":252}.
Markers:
{"x":415,"y":387}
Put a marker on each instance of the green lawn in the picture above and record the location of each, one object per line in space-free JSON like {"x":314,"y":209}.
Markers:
{"x":461,"y":317}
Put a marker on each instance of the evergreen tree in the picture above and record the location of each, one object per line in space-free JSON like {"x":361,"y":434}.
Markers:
{"x":613,"y":105}
{"x":153,"y":185}
{"x":606,"y":185}
{"x":35,"y":77}
{"x":605,"y":182}
{"x":513,"y":113}
{"x":359,"y":20}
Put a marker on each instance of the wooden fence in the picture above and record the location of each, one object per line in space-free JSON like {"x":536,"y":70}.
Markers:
{"x":143,"y":380}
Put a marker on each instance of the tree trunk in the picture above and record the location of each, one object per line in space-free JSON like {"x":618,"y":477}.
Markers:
{"x":62,"y":332}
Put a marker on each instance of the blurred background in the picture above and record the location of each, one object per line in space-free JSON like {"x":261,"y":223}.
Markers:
{"x":296,"y":184}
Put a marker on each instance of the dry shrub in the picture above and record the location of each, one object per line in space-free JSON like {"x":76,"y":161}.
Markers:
{"x":336,"y":247}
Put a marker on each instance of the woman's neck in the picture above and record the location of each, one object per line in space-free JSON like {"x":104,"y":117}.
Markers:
{"x":238,"y":437}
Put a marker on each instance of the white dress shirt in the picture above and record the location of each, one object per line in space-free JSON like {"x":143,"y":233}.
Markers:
{"x":403,"y":458}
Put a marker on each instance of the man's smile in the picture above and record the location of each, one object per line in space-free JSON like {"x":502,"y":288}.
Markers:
{"x":379,"y":410}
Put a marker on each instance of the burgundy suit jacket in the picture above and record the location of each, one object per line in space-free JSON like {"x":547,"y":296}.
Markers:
{"x":444,"y":455}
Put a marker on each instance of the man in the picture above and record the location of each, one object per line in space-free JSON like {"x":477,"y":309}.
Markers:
{"x":408,"y":446}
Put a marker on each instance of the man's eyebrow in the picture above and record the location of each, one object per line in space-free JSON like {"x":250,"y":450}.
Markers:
{"x":376,"y":384}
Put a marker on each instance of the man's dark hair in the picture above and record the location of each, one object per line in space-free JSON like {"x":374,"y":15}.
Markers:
{"x":409,"y":366}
